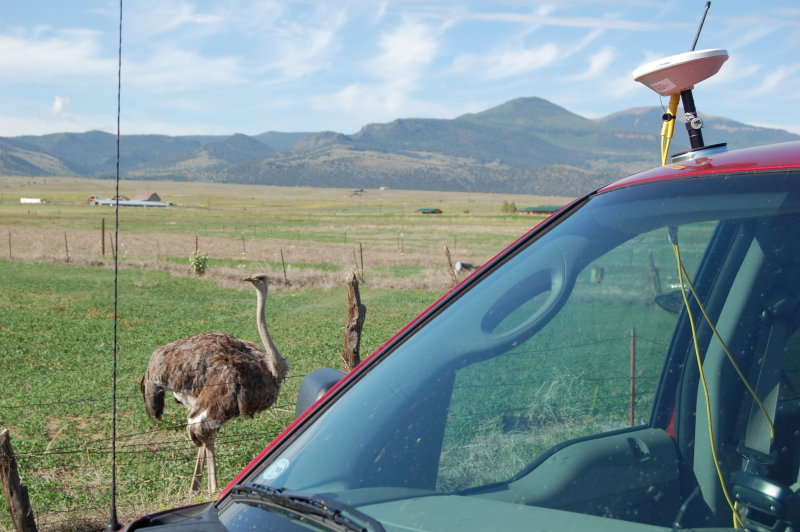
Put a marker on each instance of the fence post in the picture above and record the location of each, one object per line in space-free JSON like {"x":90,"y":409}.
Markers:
{"x":283,"y":262}
{"x":16,"y":494}
{"x":356,"y":314}
{"x":359,"y":269}
{"x":103,"y":237}
{"x":450,"y":270}
{"x":361,"y":257}
{"x":66,"y":246}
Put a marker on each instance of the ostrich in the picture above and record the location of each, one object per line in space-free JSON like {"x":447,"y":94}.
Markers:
{"x":216,"y":377}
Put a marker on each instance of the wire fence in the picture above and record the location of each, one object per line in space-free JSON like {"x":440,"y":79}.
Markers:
{"x":65,"y":470}
{"x":67,"y":478}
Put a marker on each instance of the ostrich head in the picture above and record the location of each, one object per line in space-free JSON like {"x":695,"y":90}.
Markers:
{"x":261,"y":282}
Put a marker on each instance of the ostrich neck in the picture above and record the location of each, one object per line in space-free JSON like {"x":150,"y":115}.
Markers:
{"x":261,"y":319}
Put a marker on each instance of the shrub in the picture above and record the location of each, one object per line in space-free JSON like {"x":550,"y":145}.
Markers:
{"x":509,"y":207}
{"x":198,"y":263}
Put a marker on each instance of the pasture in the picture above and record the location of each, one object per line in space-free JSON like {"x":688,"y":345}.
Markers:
{"x":57,"y":310}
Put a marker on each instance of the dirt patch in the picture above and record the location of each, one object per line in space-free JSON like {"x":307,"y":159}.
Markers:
{"x":288,"y":263}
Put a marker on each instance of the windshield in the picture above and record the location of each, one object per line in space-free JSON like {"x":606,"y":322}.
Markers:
{"x":558,"y":380}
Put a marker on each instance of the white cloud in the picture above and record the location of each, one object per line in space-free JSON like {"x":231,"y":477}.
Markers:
{"x":514,"y":58}
{"x":404,"y":52}
{"x":296,"y":50}
{"x":607,"y":23}
{"x":391,"y":77}
{"x":598,"y":64}
{"x":145,"y":20}
{"x":511,"y":62}
{"x":45,"y":122}
{"x":774,"y":80}
{"x":175,"y":70}
{"x":580,"y":45}
{"x":47,"y":54}
{"x":59,"y":107}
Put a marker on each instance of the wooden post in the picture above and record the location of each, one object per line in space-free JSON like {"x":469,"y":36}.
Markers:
{"x":361,"y":257}
{"x":196,"y":245}
{"x":103,"y":237}
{"x":244,"y":250}
{"x":66,"y":246}
{"x":633,"y":379}
{"x":356,"y":313}
{"x":450,"y":269}
{"x":15,"y":493}
{"x":283,"y":262}
{"x":359,"y":264}
{"x":9,"y":244}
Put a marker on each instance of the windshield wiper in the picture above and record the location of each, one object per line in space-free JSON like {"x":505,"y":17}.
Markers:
{"x":321,"y":510}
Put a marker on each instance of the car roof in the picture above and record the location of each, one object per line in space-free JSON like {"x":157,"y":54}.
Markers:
{"x":771,"y":157}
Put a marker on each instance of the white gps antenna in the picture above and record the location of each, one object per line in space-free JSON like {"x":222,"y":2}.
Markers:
{"x":675,"y":76}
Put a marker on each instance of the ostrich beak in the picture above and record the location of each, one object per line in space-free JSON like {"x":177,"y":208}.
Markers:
{"x":256,"y":279}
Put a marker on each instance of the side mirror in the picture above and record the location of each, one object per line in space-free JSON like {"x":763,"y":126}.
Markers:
{"x":672,"y":301}
{"x":315,"y":385}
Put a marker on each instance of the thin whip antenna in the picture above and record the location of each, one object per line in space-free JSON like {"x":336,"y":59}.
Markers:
{"x":700,"y":28}
{"x":113,"y":523}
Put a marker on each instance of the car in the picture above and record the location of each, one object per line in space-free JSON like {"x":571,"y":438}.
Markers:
{"x":631,"y":363}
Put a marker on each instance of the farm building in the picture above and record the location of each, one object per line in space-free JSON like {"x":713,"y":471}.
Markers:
{"x":32,"y":200}
{"x":125,"y":202}
{"x":429,"y":211}
{"x":546,"y":210}
{"x":147,"y":196}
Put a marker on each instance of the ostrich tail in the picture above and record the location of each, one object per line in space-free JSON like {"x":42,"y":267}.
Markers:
{"x":153,"y":394}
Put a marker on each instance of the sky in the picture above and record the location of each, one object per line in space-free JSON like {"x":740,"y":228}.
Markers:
{"x":217,"y":67}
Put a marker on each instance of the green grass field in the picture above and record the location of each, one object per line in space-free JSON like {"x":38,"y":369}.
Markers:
{"x":57,"y":309}
{"x":57,"y":336}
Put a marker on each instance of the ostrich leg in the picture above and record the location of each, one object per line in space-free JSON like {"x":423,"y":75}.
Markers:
{"x":198,"y":468}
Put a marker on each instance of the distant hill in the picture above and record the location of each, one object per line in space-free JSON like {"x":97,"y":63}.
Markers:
{"x":526,"y":145}
{"x":715,"y":129}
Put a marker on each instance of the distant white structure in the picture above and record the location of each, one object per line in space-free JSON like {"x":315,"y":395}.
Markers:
{"x":100,"y":200}
{"x":32,"y":200}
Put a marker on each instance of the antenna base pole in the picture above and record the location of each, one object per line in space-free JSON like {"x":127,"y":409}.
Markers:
{"x":693,"y":122}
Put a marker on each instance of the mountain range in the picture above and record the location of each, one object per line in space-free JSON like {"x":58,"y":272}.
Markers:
{"x":526,"y":145}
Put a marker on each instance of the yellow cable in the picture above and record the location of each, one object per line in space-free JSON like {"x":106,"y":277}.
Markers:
{"x":730,"y":357}
{"x":736,"y":519}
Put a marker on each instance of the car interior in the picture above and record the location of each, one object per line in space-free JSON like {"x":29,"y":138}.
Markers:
{"x":715,"y":438}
